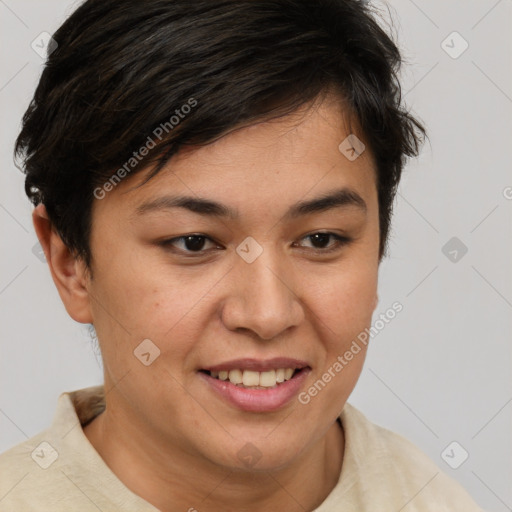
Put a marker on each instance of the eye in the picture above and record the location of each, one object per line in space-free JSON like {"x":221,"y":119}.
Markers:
{"x":197,"y":244}
{"x":193,"y":243}
{"x":320,"y":241}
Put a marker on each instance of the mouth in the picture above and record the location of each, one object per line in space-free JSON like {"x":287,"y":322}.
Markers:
{"x":257,"y":386}
{"x":251,"y":379}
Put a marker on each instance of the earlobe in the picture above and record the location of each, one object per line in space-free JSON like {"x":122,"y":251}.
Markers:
{"x":69,"y":274}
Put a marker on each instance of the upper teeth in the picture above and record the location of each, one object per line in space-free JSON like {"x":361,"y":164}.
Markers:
{"x":251,"y":378}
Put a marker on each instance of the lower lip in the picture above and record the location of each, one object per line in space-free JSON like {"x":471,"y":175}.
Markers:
{"x":258,"y":400}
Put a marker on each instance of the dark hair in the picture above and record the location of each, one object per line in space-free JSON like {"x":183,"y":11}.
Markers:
{"x":124,"y":68}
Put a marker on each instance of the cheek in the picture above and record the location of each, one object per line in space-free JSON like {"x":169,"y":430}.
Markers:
{"x":147,"y":299}
{"x":344,"y":300}
{"x":343,"y":309}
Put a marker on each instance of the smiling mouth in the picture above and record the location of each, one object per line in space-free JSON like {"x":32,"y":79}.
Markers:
{"x":251,"y":379}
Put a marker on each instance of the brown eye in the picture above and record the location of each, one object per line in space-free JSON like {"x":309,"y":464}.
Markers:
{"x":188,"y":243}
{"x":194,"y":243}
{"x":320,"y":241}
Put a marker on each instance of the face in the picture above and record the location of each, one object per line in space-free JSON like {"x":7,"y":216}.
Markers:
{"x":268,"y":278}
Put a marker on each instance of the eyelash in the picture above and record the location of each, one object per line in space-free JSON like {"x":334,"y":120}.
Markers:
{"x":341,"y":241}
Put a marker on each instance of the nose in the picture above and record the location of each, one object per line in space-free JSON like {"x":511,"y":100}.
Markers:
{"x":262,"y":298}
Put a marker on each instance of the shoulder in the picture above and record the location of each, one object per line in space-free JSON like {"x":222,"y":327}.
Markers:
{"x":58,"y":469}
{"x":388,"y":465}
{"x":25,"y":474}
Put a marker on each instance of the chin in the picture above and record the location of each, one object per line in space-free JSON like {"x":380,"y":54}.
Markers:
{"x":259,"y":454}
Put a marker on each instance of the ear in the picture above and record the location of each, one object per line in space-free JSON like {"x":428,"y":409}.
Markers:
{"x":69,"y":274}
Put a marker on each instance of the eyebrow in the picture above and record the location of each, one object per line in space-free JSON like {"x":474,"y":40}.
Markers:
{"x":341,"y":198}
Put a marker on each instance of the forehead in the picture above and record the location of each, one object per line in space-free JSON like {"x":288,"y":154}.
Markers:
{"x":277,"y":162}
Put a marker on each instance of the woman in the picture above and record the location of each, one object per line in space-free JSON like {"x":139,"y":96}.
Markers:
{"x":213,"y":184}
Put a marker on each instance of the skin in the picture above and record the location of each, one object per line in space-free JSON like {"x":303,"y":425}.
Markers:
{"x":165,"y":434}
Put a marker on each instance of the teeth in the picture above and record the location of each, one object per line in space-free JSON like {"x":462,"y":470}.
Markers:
{"x":236,"y":376}
{"x":250,"y":378}
{"x":268,"y":379}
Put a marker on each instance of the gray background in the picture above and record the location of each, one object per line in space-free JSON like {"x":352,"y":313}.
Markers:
{"x":441,"y":370}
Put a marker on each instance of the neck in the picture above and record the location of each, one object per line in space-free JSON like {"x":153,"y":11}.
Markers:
{"x":172,"y":479}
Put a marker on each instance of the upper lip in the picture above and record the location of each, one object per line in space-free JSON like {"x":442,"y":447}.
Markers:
{"x":258,"y":365}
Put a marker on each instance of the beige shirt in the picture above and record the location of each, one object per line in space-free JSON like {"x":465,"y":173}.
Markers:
{"x":59,"y":470}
